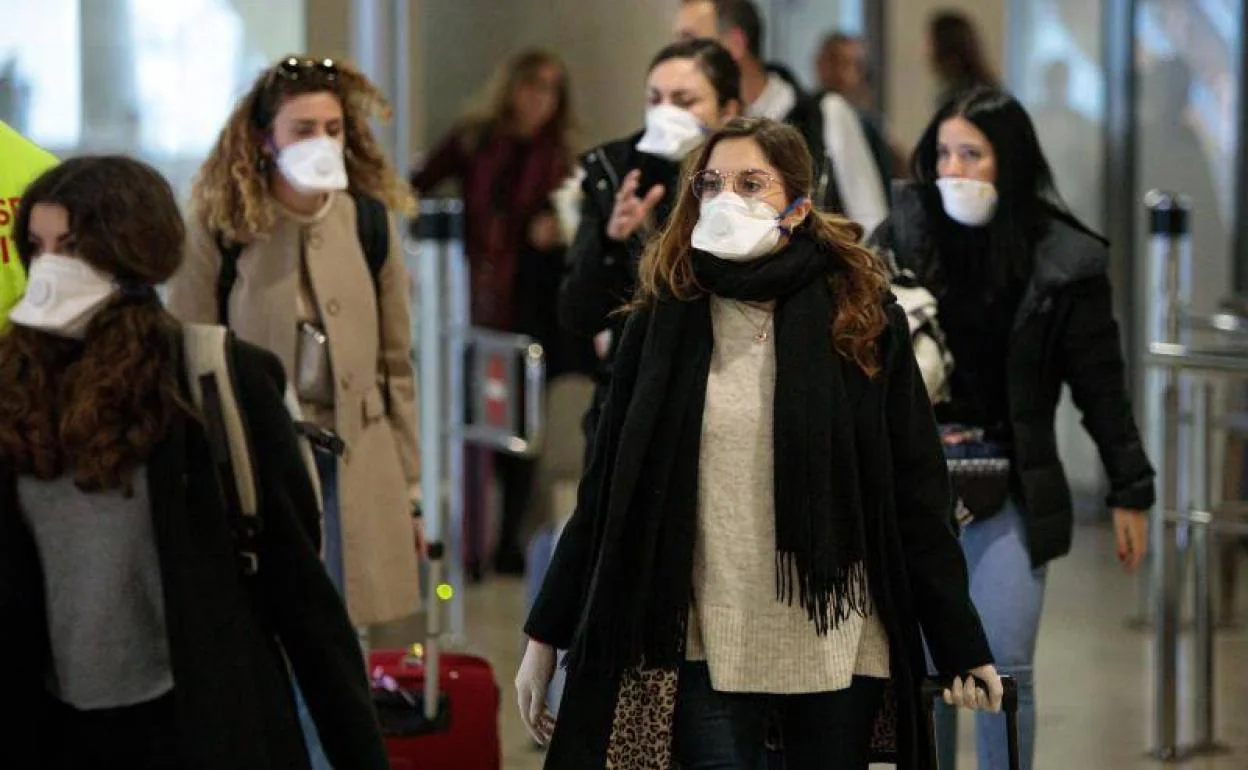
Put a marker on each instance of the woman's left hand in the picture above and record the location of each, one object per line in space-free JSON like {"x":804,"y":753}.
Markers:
{"x":966,"y":693}
{"x":1131,"y":530}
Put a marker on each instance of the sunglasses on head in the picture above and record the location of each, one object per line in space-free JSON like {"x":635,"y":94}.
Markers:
{"x":295,"y":69}
{"x":309,"y":73}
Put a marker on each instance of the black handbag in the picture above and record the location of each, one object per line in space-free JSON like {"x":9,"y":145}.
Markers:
{"x":979,"y":473}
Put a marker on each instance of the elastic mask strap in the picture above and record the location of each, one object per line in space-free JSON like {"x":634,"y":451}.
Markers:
{"x":137,"y":290}
{"x":789,"y":210}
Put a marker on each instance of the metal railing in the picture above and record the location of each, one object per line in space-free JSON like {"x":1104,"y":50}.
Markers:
{"x":1180,"y":379}
{"x":476,"y":387}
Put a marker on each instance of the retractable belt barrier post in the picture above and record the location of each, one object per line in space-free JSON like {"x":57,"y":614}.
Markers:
{"x":476,"y":386}
{"x":1169,"y":295}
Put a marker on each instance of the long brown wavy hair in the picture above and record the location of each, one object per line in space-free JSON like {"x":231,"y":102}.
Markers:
{"x":230,"y":194}
{"x":493,"y":109}
{"x":857,"y":280}
{"x":97,"y":408}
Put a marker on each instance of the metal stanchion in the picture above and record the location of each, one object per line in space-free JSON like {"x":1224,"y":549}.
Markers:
{"x":1169,"y":286}
{"x":1178,"y":430}
{"x":1202,"y":502}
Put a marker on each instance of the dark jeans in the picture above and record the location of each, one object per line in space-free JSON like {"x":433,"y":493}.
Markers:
{"x":140,"y":737}
{"x":728,"y":731}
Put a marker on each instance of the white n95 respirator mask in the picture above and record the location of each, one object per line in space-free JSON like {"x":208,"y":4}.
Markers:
{"x":62,"y":295}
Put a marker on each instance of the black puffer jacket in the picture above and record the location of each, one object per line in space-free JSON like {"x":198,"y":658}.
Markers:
{"x":602,"y":272}
{"x":1064,"y":333}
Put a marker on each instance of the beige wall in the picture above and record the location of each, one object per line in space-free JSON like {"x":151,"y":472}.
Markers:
{"x":911,"y":88}
{"x":606,"y":44}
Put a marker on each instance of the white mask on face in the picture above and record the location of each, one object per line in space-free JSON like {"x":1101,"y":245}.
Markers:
{"x":314,"y":165}
{"x":968,"y":202}
{"x":671,"y":133}
{"x":737,"y":229}
{"x":62,"y":296}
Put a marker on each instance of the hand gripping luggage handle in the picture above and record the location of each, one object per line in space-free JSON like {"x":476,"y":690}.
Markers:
{"x":934,"y":688}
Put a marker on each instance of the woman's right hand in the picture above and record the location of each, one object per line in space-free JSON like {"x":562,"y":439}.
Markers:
{"x":537,"y":668}
{"x":630,"y":211}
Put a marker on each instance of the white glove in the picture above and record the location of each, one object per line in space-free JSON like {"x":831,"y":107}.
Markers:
{"x":537,"y":668}
{"x":967,"y":694}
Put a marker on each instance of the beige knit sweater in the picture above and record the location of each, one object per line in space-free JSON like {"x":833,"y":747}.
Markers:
{"x":750,"y":641}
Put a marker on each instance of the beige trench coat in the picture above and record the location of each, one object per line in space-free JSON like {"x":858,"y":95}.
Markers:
{"x":379,"y":474}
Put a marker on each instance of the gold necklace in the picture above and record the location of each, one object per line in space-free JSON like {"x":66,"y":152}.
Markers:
{"x":762,"y":334}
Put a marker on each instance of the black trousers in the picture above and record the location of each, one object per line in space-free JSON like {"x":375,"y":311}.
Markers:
{"x":140,"y":737}
{"x":728,"y":731}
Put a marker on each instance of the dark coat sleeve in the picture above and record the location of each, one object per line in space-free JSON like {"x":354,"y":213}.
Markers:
{"x":447,"y":161}
{"x":295,"y":591}
{"x":599,"y":272}
{"x":557,"y":610}
{"x":933,"y":558}
{"x":1092,"y":364}
{"x":23,"y":640}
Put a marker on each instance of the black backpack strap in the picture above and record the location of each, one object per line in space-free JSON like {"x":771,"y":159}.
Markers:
{"x":372,"y":226}
{"x":226,"y":277}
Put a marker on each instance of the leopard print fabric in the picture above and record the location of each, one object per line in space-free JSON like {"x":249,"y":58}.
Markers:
{"x":641,"y":731}
{"x":884,"y":728}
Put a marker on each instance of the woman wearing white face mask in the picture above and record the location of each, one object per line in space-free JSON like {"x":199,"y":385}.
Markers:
{"x":630,"y":186}
{"x":287,"y":215}
{"x":764,"y":524}
{"x":1026,"y":307}
{"x":290,"y":244}
{"x":136,"y":640}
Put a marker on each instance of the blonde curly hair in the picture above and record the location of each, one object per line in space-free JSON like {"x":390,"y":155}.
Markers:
{"x":230,"y":194}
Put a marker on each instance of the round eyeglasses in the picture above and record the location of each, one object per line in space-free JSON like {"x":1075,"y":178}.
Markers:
{"x":750,"y":183}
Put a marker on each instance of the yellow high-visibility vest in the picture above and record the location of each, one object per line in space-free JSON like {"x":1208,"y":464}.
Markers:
{"x":21,"y":162}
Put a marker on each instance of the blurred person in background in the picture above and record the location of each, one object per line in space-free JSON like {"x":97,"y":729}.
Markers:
{"x":848,"y":179}
{"x":630,"y":186}
{"x":509,"y":155}
{"x":21,"y":160}
{"x":291,"y":245}
{"x":842,"y":68}
{"x":956,"y":55}
{"x":137,"y":639}
{"x":1026,"y":308}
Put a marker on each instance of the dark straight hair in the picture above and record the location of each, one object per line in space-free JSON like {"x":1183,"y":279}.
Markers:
{"x":1028,"y":200}
{"x":713,"y":61}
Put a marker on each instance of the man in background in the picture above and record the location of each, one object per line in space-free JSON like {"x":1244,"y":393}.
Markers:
{"x":21,"y":161}
{"x":849,"y":180}
{"x":842,"y":68}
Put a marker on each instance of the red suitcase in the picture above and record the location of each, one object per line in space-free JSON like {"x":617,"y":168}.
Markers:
{"x":463,"y":736}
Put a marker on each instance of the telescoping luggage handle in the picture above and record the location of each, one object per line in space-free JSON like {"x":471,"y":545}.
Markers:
{"x":934,"y":688}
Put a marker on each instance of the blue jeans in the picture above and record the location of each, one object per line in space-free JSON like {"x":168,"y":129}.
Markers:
{"x":728,"y":731}
{"x":1009,"y":595}
{"x":327,"y":468}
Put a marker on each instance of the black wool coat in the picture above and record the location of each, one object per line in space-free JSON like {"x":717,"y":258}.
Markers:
{"x":916,"y":569}
{"x":230,"y":636}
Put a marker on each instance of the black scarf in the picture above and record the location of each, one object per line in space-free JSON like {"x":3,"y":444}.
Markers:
{"x":646,"y":463}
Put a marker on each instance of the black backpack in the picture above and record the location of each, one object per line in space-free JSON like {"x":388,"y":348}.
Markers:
{"x":372,"y":227}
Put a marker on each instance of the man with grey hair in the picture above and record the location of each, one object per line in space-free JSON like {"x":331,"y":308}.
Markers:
{"x":848,"y":178}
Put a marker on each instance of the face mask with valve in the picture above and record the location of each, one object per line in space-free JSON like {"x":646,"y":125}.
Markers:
{"x":968,"y":202}
{"x":671,"y":133}
{"x":314,"y":165}
{"x":740,"y":229}
{"x":63,"y":294}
